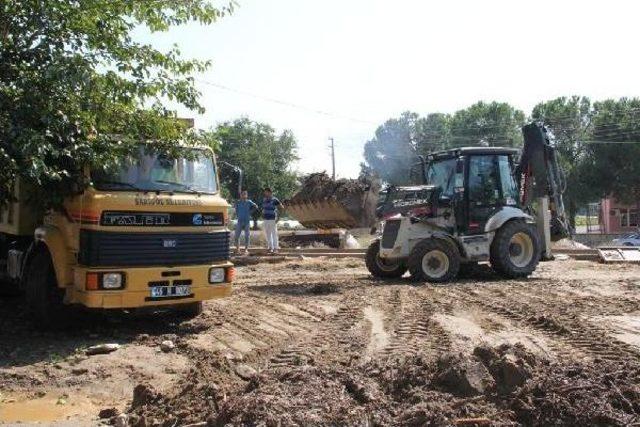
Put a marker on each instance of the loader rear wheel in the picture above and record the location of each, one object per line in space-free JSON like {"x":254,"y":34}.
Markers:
{"x":434,"y":260}
{"x":515,"y":250}
{"x":44,"y":298}
{"x":382,"y":268}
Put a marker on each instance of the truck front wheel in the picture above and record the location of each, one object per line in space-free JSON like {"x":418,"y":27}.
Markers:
{"x":44,"y":298}
{"x":380,"y":267}
{"x":515,"y":250}
{"x":434,"y":260}
{"x":190,"y":310}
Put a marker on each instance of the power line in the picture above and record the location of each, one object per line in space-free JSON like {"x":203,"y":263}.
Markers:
{"x":550,"y":121}
{"x":286,"y":103}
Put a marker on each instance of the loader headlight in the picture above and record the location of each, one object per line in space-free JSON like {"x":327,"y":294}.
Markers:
{"x":112,"y":280}
{"x":216,"y":275}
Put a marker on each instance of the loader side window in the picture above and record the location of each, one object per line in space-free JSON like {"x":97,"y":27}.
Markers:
{"x":441,"y":173}
{"x":510,"y":193}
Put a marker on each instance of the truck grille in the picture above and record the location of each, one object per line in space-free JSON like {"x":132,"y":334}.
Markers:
{"x":390,"y":233}
{"x":102,"y":249}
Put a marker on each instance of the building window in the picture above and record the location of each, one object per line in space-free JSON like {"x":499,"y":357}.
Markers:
{"x":633,"y":217}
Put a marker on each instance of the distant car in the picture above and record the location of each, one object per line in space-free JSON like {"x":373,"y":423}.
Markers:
{"x":632,"y":239}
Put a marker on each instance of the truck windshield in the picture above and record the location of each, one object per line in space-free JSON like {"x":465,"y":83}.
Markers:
{"x":441,"y":173}
{"x":151,"y":171}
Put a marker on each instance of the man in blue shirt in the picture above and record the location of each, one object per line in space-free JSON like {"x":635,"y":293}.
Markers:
{"x":244,"y":206}
{"x":270,"y":216}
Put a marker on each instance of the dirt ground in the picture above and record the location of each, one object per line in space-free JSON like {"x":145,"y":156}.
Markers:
{"x":319,"y":342}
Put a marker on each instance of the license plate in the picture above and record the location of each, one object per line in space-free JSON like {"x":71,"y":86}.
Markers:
{"x":170,"y":291}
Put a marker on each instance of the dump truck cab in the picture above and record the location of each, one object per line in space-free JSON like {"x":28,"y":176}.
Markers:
{"x":150,"y":233}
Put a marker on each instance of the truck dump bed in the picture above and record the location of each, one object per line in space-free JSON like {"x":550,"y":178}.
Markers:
{"x":324,"y":203}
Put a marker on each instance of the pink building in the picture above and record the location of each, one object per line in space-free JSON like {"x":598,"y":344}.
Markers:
{"x":617,"y":217}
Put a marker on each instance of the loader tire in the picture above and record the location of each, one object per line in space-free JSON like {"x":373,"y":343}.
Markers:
{"x":515,"y":250}
{"x":381,"y":268}
{"x":434,"y":260}
{"x":44,"y":297}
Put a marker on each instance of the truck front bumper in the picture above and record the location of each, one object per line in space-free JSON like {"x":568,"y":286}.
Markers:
{"x":136,"y":292}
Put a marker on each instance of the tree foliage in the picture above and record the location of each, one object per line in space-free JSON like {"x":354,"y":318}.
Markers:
{"x":612,"y":156}
{"x":398,"y":142}
{"x":76,"y":88}
{"x":264,"y":156}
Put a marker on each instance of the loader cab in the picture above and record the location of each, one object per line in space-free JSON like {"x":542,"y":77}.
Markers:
{"x":476,"y":182}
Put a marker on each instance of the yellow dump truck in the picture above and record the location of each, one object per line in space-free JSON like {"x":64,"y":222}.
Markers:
{"x":150,"y":233}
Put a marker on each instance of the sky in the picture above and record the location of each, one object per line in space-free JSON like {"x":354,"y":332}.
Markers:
{"x":340,"y":68}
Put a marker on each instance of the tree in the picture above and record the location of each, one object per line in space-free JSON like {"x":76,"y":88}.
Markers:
{"x":398,"y":142}
{"x":264,"y":156}
{"x":76,"y":89}
{"x":569,"y":119}
{"x":495,"y":123}
{"x":613,"y":153}
{"x":434,"y":133}
{"x":393,"y":148}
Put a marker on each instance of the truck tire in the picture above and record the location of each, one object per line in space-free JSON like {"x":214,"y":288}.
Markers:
{"x":190,"y":310}
{"x":44,"y":298}
{"x":381,"y":268}
{"x":434,"y":260}
{"x":515,"y":250}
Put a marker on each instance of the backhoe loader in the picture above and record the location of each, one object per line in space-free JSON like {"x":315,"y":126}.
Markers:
{"x":474,"y":204}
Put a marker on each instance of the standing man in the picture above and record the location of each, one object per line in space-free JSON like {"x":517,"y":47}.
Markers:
{"x":244,"y":206}
{"x":270,"y":216}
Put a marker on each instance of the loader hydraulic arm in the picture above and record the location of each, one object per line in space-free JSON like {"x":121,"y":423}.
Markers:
{"x":539,"y":175}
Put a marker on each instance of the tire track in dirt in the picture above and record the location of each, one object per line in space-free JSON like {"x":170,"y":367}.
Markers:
{"x":413,"y":329}
{"x":557,"y":322}
{"x":336,"y":336}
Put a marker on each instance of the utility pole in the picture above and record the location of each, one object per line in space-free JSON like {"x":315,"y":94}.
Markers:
{"x":333,"y":158}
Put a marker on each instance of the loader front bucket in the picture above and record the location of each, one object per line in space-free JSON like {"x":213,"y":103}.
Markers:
{"x":323,"y":214}
{"x":325,"y":203}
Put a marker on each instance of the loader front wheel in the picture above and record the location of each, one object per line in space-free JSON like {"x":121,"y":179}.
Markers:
{"x":434,"y":260}
{"x":380,"y":267}
{"x":515,"y":250}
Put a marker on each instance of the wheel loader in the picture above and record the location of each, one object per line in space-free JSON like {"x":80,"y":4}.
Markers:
{"x":474,"y":204}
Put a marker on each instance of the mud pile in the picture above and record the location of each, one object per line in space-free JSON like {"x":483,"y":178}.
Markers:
{"x":320,"y":194}
{"x":505,"y":385}
{"x":601,"y":393}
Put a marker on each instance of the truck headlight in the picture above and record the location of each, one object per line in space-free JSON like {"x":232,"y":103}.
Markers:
{"x":111,"y":280}
{"x":216,"y":275}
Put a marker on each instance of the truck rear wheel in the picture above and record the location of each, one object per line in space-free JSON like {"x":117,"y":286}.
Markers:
{"x":380,"y":267}
{"x":515,"y":250}
{"x":44,"y":298}
{"x":434,"y":260}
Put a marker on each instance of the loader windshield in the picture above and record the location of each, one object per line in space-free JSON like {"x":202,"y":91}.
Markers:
{"x":441,"y":173}
{"x":149,"y":171}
